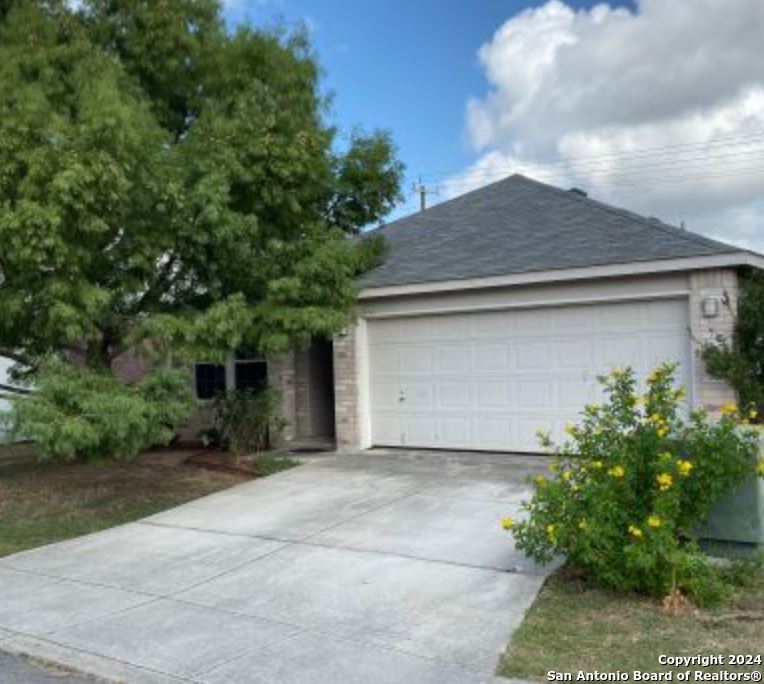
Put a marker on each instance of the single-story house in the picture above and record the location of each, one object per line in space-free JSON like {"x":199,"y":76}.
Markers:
{"x":491,"y":317}
{"x":494,"y":313}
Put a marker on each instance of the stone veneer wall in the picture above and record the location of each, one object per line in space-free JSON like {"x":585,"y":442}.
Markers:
{"x":722,"y":284}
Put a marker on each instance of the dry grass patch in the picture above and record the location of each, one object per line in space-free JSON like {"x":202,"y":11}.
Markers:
{"x":44,"y":503}
{"x":573,"y":627}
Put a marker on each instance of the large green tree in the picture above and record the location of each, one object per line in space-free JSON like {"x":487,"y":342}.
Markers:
{"x":163,"y":177}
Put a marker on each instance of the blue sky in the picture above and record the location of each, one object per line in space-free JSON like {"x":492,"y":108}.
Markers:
{"x":408,"y":67}
{"x":653,"y":105}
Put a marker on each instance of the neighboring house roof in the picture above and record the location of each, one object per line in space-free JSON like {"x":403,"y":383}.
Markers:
{"x":520,"y":225}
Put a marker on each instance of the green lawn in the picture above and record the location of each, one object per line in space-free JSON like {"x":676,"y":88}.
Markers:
{"x":43,"y":503}
{"x":573,"y":627}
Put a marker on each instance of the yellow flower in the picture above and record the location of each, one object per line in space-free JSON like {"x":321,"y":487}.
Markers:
{"x":652,"y":376}
{"x":583,"y":525}
{"x":574,"y":487}
{"x":655,"y":418}
{"x":550,"y":530}
{"x":760,"y":467}
{"x":617,"y":471}
{"x":554,"y":467}
{"x":566,"y":475}
{"x":728,"y":409}
{"x":753,"y":414}
{"x":662,"y":431}
{"x":596,"y":465}
{"x":684,"y":467}
{"x":680,"y":394}
{"x":664,"y":481}
{"x":539,"y":480}
{"x":654,"y":520}
{"x":507,"y":523}
{"x":570,"y":429}
{"x":635,"y":532}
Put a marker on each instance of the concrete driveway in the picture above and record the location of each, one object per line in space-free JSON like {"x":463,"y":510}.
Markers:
{"x":378,"y":567}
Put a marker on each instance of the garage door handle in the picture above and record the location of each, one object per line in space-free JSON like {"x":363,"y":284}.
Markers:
{"x":402,"y":395}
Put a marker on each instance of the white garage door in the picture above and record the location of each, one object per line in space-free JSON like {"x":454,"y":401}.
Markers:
{"x":489,"y":380}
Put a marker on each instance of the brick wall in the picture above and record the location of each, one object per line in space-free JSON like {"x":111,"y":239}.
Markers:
{"x":282,"y":375}
{"x":721,"y":284}
{"x":346,"y":418}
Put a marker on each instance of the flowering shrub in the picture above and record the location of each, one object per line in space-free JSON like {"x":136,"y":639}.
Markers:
{"x":630,"y":482}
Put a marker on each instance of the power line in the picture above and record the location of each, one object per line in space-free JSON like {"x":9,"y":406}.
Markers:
{"x":647,"y":152}
{"x":574,"y":167}
{"x":707,"y":163}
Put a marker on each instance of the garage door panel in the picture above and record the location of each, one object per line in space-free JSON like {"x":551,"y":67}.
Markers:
{"x":574,"y":353}
{"x":455,"y":395}
{"x":492,"y":395}
{"x":532,"y":321}
{"x":534,"y":394}
{"x":455,"y":359}
{"x":494,"y":325}
{"x":533,"y":354}
{"x":384,"y":361}
{"x":419,"y":395}
{"x":451,"y":328}
{"x":621,"y":350}
{"x":386,"y":330}
{"x":421,"y":429}
{"x":663,"y":314}
{"x":660,"y":347}
{"x":416,"y":359}
{"x":493,"y":430}
{"x":455,"y":432}
{"x":574,"y":318}
{"x":489,"y":380}
{"x":491,"y":357}
{"x":385,"y":395}
{"x":621,"y":317}
{"x":574,"y":393}
{"x":387,"y":429}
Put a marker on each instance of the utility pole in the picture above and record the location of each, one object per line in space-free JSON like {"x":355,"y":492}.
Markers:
{"x":423,"y":191}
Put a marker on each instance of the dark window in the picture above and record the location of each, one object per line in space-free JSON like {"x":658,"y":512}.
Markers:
{"x":251,"y":375}
{"x":210,"y":380}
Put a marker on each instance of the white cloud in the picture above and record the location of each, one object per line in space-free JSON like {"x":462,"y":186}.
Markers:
{"x":660,"y":110}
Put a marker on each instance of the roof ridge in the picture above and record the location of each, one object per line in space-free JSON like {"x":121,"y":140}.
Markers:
{"x":445,"y":203}
{"x":619,"y":211}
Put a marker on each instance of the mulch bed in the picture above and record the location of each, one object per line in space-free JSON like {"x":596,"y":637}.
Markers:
{"x":212,"y":459}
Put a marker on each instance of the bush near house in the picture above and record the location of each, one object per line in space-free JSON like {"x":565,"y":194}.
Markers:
{"x":629,"y":484}
{"x":247,"y":421}
{"x":84,"y":415}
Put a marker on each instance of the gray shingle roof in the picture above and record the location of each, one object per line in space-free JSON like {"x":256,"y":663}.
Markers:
{"x":519,"y":225}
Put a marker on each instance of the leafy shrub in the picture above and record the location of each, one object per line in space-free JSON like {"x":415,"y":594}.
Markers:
{"x":77,"y":414}
{"x":246,"y":419}
{"x":630,"y":482}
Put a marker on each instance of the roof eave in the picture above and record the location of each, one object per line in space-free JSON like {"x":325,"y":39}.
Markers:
{"x":725,"y":260}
